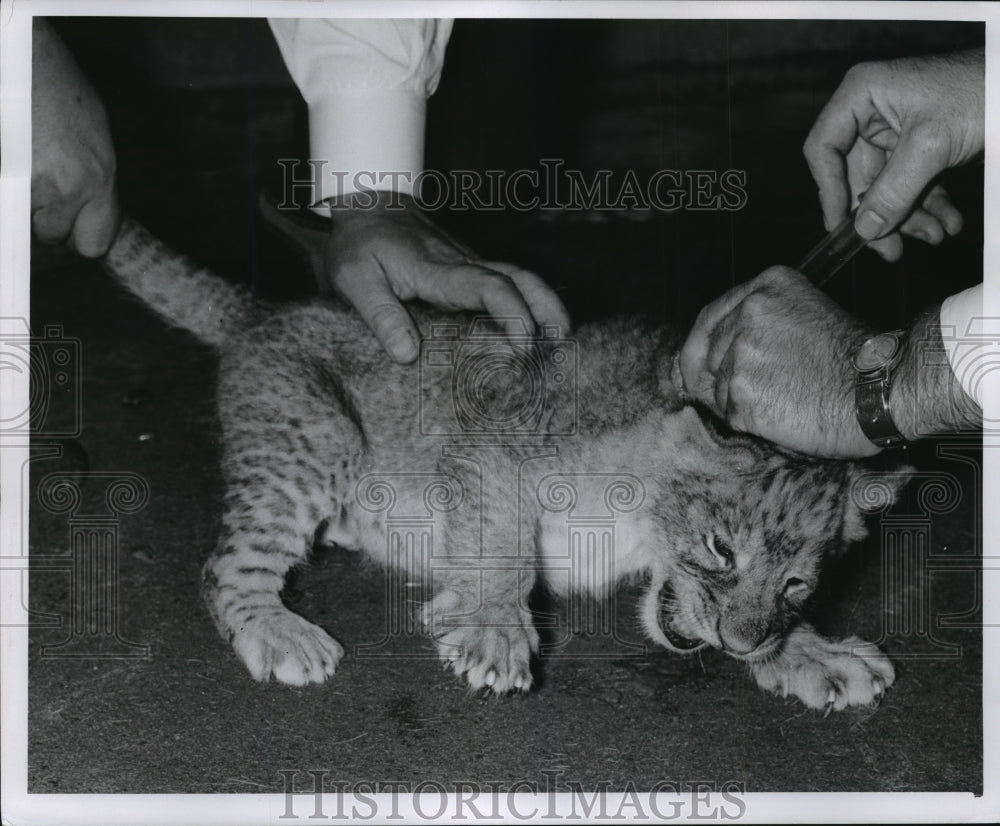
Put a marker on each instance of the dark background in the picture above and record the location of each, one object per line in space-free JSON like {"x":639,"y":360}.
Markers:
{"x":200,"y":111}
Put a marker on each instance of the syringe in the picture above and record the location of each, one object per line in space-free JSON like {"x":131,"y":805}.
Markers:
{"x":839,"y":247}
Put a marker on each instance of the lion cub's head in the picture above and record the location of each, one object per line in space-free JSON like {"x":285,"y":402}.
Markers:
{"x":746,"y":529}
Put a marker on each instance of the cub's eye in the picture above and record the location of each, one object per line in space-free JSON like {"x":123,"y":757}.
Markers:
{"x":796,"y":588}
{"x":718,"y":546}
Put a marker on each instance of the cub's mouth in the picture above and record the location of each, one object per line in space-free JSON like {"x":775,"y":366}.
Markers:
{"x":666,"y":619}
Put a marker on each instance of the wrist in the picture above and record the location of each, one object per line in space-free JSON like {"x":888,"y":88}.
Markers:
{"x":855,"y":441}
{"x":371,"y":200}
{"x":875,"y":366}
{"x":927,"y":398}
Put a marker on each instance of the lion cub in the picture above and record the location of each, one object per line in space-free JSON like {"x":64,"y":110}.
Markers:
{"x":568,"y":461}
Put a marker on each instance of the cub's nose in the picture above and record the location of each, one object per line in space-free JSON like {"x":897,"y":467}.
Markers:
{"x":742,"y":635}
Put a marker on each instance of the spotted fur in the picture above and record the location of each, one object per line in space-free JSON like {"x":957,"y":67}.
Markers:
{"x":324,"y":438}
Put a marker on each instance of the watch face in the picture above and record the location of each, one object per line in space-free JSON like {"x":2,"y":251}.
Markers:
{"x":877,"y":352}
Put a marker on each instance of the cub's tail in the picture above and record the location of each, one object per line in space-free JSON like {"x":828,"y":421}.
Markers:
{"x":175,"y":287}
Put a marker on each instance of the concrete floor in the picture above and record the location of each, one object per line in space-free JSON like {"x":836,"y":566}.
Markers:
{"x":188,"y":719}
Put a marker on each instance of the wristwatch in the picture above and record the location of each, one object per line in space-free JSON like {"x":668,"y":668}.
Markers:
{"x":874,"y":362}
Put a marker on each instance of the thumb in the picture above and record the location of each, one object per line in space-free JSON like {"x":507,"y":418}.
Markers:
{"x":96,"y":226}
{"x":918,"y":158}
{"x":382,"y":312}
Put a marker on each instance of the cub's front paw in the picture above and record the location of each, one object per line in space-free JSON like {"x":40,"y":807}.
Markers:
{"x":285,"y":645}
{"x":826,"y":674}
{"x":491,"y":647}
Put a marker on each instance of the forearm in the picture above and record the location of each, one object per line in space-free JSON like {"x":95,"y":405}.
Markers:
{"x":927,"y":397}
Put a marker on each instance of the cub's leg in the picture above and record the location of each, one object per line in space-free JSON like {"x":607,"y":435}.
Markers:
{"x":824,"y":673}
{"x":482,"y":578}
{"x":282,"y":454}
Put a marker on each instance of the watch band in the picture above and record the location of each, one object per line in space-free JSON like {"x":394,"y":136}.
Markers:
{"x":873,"y":386}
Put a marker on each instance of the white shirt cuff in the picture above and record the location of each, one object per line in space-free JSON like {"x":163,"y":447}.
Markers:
{"x":969,"y":345}
{"x":364,"y":140}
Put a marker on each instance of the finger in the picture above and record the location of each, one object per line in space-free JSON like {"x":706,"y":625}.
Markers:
{"x":542,"y":300}
{"x":52,"y":216}
{"x":826,"y":147}
{"x":723,"y":385}
{"x":889,"y":248}
{"x":698,"y":378}
{"x":916,"y":160}
{"x":865,"y":163}
{"x":501,"y":299}
{"x":52,"y":223}
{"x":924,"y":226}
{"x":368,"y":291}
{"x":96,"y":226}
{"x":473,"y":287}
{"x":720,"y":343}
{"x":719,"y":363}
{"x":938,"y":204}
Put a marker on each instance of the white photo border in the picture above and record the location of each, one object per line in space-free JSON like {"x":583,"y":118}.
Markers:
{"x":15,"y":106}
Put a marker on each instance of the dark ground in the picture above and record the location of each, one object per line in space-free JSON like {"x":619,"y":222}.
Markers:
{"x":215,"y":111}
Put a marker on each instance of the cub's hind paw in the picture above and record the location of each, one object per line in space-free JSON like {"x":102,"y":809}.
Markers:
{"x":492,"y":649}
{"x":828,"y":675}
{"x":284,"y":645}
{"x":494,"y":658}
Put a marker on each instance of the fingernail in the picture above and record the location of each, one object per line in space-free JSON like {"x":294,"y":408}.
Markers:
{"x":402,"y":346}
{"x":869,"y":224}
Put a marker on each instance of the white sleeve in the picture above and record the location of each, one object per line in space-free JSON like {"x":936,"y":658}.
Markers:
{"x":968,"y":342}
{"x":366,"y":83}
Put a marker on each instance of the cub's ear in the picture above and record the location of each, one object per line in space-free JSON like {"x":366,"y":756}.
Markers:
{"x":871,"y":488}
{"x":717,"y":429}
{"x":722,"y":435}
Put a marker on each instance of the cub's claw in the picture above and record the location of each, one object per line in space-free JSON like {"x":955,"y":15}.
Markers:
{"x":287,"y":647}
{"x":831,"y":698}
{"x":491,"y":651}
{"x":827,"y":675}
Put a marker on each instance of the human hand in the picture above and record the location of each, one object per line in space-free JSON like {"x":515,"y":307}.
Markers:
{"x":73,"y":195}
{"x":887,"y":132}
{"x":379,"y":256}
{"x":772,"y":357}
